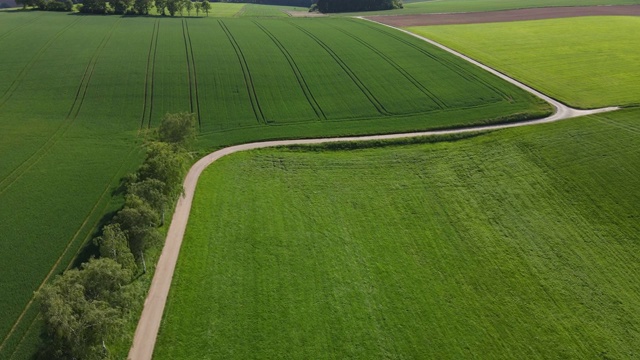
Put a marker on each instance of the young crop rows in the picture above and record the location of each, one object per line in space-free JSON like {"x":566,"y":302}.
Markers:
{"x":79,"y":93}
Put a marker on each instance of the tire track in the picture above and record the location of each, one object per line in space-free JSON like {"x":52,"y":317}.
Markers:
{"x":253,"y":97}
{"x":296,"y":70}
{"x":73,"y":240}
{"x":68,"y":120}
{"x":25,"y":70}
{"x":441,"y":104}
{"x":8,"y":33}
{"x":186,"y":51}
{"x":153,"y":76}
{"x":374,"y":101}
{"x":450,"y":65}
{"x":195,"y":74}
{"x":148,"y":82}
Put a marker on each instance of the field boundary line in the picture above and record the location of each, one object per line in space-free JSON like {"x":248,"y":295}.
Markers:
{"x":66,"y":249}
{"x":248,"y":80}
{"x":441,"y":104}
{"x":148,"y":80}
{"x":64,"y":125}
{"x":452,"y":66}
{"x":195,"y":73}
{"x":24,"y":71}
{"x":372,"y":98}
{"x":296,"y":70}
{"x":147,"y":330}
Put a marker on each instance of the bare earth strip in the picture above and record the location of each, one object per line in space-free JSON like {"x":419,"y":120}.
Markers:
{"x":145,"y":336}
{"x":505,"y":15}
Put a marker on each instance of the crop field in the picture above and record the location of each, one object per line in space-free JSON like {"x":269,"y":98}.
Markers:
{"x":515,"y":244}
{"x":452,"y":6}
{"x":587,"y":62}
{"x":77,"y":94}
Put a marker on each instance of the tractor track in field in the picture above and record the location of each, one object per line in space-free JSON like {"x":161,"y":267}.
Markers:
{"x":19,"y":27}
{"x":149,"y":324}
{"x":248,"y":80}
{"x":441,"y":104}
{"x":72,"y":115}
{"x":186,"y":51}
{"x":148,"y":81}
{"x":448,"y":64}
{"x":296,"y":71}
{"x":372,"y":98}
{"x":73,"y":240}
{"x":25,"y":70}
{"x":195,"y":73}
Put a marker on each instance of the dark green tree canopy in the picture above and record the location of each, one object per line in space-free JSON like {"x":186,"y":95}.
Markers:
{"x":336,"y":6}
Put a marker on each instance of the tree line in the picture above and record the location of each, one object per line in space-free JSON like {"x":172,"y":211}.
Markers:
{"x":336,"y":6}
{"x":84,"y":309}
{"x":122,"y":7}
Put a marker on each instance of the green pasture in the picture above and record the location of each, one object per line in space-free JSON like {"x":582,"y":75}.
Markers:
{"x":586,"y":62}
{"x":520,"y":243}
{"x":455,"y":6}
{"x":78,"y":93}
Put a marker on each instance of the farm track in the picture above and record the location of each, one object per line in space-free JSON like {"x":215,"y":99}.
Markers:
{"x":85,"y":227}
{"x":149,"y":324}
{"x":66,"y":123}
{"x":25,"y":70}
{"x":450,"y":65}
{"x":149,"y":74}
{"x":296,"y":70}
{"x":441,"y":105}
{"x":374,"y":101}
{"x":195,"y":72}
{"x":248,"y":80}
{"x":19,"y":27}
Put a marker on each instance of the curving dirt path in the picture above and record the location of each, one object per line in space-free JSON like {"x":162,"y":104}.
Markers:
{"x":149,"y":324}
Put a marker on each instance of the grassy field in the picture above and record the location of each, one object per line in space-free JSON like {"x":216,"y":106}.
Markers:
{"x":586,"y":62}
{"x":78,"y":92}
{"x":452,"y":6}
{"x":515,"y":244}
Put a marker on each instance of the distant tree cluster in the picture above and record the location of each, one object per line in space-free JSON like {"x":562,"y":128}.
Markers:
{"x":82,"y":309}
{"x":336,"y":6}
{"x":302,"y":3}
{"x":49,"y":5}
{"x":142,"y":7}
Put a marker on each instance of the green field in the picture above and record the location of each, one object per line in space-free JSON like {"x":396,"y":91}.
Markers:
{"x":514,"y":244}
{"x":77,"y":94}
{"x":585,"y":62}
{"x":453,"y":6}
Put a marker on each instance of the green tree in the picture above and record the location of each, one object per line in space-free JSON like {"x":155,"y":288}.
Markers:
{"x":161,"y":6}
{"x":206,"y":6}
{"x":152,"y":191}
{"x":189,"y":6}
{"x":121,"y":6}
{"x":142,"y":7}
{"x":198,"y":7}
{"x":166,"y":163}
{"x":139,"y":222}
{"x":84,"y":307}
{"x":177,"y":128}
{"x":174,"y":6}
{"x":114,"y":245}
{"x":94,"y":6}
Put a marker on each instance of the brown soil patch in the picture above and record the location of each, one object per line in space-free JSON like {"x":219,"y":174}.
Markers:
{"x":505,"y":15}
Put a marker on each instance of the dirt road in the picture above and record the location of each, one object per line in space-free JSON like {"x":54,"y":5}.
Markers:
{"x":147,"y":331}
